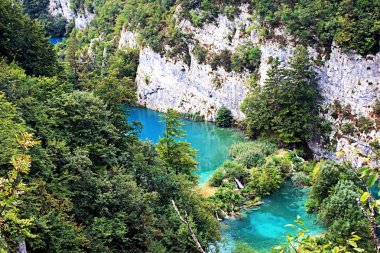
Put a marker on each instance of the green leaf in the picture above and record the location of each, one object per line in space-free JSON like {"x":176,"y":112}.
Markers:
{"x":372,"y":179}
{"x":362,"y":170}
{"x":352,"y":243}
{"x":364,"y":197}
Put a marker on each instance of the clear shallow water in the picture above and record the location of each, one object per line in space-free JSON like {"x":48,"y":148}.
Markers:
{"x":262,"y":228}
{"x":211,"y":141}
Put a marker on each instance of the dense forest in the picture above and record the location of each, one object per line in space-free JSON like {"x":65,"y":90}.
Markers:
{"x":75,"y":177}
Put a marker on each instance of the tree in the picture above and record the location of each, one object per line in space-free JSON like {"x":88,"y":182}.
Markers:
{"x":224,"y":117}
{"x":177,"y":156}
{"x":13,"y":227}
{"x":23,"y":40}
{"x":285,"y":107}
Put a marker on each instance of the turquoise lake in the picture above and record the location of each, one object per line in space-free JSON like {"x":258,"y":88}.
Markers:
{"x":262,"y":228}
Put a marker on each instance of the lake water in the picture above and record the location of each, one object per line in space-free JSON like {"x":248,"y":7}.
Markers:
{"x":55,"y":40}
{"x":212,"y":142}
{"x":262,"y":228}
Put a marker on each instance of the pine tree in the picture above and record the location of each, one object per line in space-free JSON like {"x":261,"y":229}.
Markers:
{"x":177,"y":156}
{"x":285,"y":107}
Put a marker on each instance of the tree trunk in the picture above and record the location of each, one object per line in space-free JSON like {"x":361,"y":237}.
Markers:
{"x":186,"y":221}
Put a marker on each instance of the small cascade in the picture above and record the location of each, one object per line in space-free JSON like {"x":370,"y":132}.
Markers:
{"x":217,"y":216}
{"x":225,"y":214}
{"x":239,"y":184}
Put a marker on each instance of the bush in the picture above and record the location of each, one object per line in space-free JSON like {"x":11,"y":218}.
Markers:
{"x":376,"y":107}
{"x":246,"y":57}
{"x":262,"y":146}
{"x":229,"y":170}
{"x":263,"y":181}
{"x":200,"y":54}
{"x":227,"y":197}
{"x":301,"y":179}
{"x":222,"y":59}
{"x":252,"y":153}
{"x":348,"y":128}
{"x":326,"y":177}
{"x":341,"y":203}
{"x":251,"y":159}
{"x":224,"y":117}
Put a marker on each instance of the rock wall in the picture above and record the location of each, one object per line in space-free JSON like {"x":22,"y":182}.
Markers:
{"x":62,"y":7}
{"x":346,"y":77}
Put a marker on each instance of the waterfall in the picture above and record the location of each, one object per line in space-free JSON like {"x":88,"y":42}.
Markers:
{"x":225,"y":214}
{"x":217,"y":216}
{"x":239,"y":184}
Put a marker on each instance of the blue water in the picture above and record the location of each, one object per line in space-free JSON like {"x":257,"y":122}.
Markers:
{"x":212,"y":142}
{"x":55,"y":40}
{"x":262,"y":228}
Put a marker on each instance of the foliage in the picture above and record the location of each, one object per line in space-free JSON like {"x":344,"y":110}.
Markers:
{"x":264,"y":181}
{"x":177,"y":156}
{"x":92,"y":185}
{"x":352,"y":24}
{"x":252,"y":153}
{"x":14,"y":227}
{"x":200,"y":54}
{"x":285,"y":107}
{"x":304,"y":242}
{"x":246,"y":56}
{"x":334,"y":196}
{"x":23,"y":41}
{"x":241,"y":247}
{"x":54,"y":26}
{"x":301,"y":179}
{"x":261,"y":145}
{"x":229,"y":171}
{"x":221,"y":59}
{"x":224,"y":117}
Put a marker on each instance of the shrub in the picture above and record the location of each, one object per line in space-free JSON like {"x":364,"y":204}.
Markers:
{"x":263,"y":146}
{"x":263,"y":181}
{"x":301,"y":179}
{"x":229,"y":170}
{"x":227,"y":197}
{"x":224,"y":117}
{"x":348,"y":128}
{"x":251,"y":159}
{"x":326,"y":177}
{"x":246,"y":57}
{"x":200,"y":54}
{"x":222,"y":59}
{"x":341,"y":203}
{"x":376,"y":107}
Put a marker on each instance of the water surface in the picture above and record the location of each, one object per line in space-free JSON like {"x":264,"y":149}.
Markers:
{"x":262,"y":228}
{"x":212,"y":142}
{"x":55,"y":40}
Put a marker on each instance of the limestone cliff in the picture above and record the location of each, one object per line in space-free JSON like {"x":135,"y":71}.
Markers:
{"x":345,"y":78}
{"x":62,"y":7}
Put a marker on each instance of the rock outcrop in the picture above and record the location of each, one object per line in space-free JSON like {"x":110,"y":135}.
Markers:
{"x":345,"y":77}
{"x":62,"y":7}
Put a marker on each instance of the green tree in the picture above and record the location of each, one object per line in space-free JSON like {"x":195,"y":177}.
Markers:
{"x":23,"y":40}
{"x":177,"y":156}
{"x":14,"y":227}
{"x":285,"y":107}
{"x":224,"y":117}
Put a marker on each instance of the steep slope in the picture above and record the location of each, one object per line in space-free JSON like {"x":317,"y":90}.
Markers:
{"x":345,"y":78}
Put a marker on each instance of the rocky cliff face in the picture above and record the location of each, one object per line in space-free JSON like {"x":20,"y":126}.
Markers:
{"x":62,"y":7}
{"x":345,"y":78}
